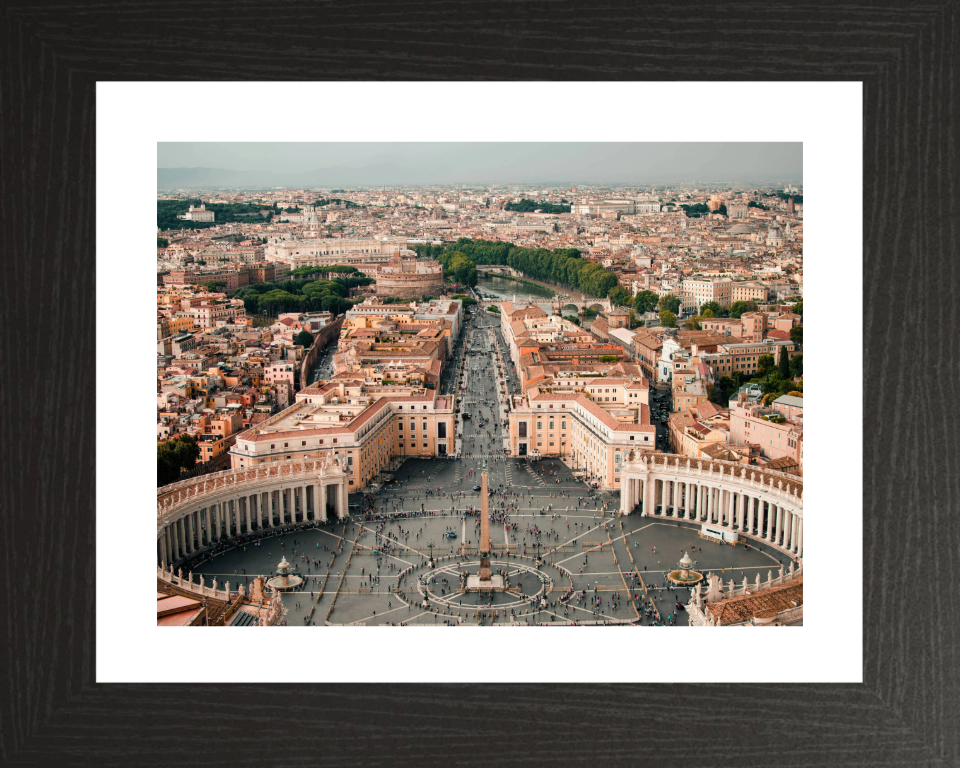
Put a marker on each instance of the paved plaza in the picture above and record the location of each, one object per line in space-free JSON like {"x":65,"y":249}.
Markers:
{"x":594,"y":568}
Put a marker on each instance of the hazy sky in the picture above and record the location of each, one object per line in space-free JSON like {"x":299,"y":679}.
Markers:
{"x":507,"y":162}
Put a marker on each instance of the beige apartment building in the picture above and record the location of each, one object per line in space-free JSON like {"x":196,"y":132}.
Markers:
{"x":749,"y":290}
{"x":696,"y":292}
{"x":592,"y":430}
{"x":358,"y":424}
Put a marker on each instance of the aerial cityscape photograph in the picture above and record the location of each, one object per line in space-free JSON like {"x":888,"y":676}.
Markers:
{"x":479,"y":384}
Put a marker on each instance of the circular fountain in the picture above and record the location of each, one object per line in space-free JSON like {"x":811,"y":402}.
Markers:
{"x":685,"y":575}
{"x":284,"y":581}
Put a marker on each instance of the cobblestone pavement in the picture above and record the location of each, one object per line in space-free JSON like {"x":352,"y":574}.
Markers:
{"x":596,"y":567}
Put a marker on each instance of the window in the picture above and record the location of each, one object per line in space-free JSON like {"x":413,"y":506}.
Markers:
{"x":539,"y":425}
{"x":334,"y":439}
{"x":400,"y":425}
{"x":303,"y":443}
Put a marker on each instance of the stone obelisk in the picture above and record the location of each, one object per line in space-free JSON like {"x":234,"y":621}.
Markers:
{"x":485,"y":580}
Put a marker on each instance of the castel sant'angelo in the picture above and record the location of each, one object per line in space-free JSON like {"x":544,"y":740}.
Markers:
{"x":406,"y":277}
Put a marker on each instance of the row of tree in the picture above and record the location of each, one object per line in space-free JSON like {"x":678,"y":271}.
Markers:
{"x":270,"y":299}
{"x":529,"y":206}
{"x":175,"y":455}
{"x":697,"y":210}
{"x":562,"y":266}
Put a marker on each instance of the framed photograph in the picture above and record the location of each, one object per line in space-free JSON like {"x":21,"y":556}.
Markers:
{"x":391,"y":247}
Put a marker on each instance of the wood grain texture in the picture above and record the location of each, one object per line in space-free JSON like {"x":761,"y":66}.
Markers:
{"x":905,"y":714}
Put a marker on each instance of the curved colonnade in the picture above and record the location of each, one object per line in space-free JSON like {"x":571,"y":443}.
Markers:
{"x":194,"y":514}
{"x":763,"y":504}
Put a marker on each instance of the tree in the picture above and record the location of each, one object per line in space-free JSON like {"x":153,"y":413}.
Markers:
{"x":668,"y":319}
{"x":707,"y":313}
{"x":609,"y":358}
{"x":304,"y":339}
{"x":645,"y":301}
{"x":796,"y":367}
{"x":693,"y":323}
{"x":619,"y":297}
{"x":669,"y":303}
{"x":714,"y":307}
{"x":764,"y":364}
{"x":462,"y":269}
{"x":796,"y":335}
{"x":775,"y":383}
{"x":738,"y":308}
{"x":162,"y":242}
{"x":175,"y":455}
{"x":783,"y":363}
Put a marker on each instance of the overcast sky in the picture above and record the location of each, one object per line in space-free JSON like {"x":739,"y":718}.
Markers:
{"x":452,"y":163}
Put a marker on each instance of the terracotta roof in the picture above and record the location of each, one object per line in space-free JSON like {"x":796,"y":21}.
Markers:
{"x":769,"y":602}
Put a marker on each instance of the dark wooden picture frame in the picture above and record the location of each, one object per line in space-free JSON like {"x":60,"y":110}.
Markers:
{"x":906,"y":712}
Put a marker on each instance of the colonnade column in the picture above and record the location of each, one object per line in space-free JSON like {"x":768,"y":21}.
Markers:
{"x":778,"y":513}
{"x":699,"y":502}
{"x":800,"y":537}
{"x":753,"y":503}
{"x":246,"y":510}
{"x":344,"y":510}
{"x":174,"y":541}
{"x":163,"y":548}
{"x":769,"y":536}
{"x":663,"y":497}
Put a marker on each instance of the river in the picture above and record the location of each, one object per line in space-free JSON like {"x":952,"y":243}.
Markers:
{"x":508,"y":290}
